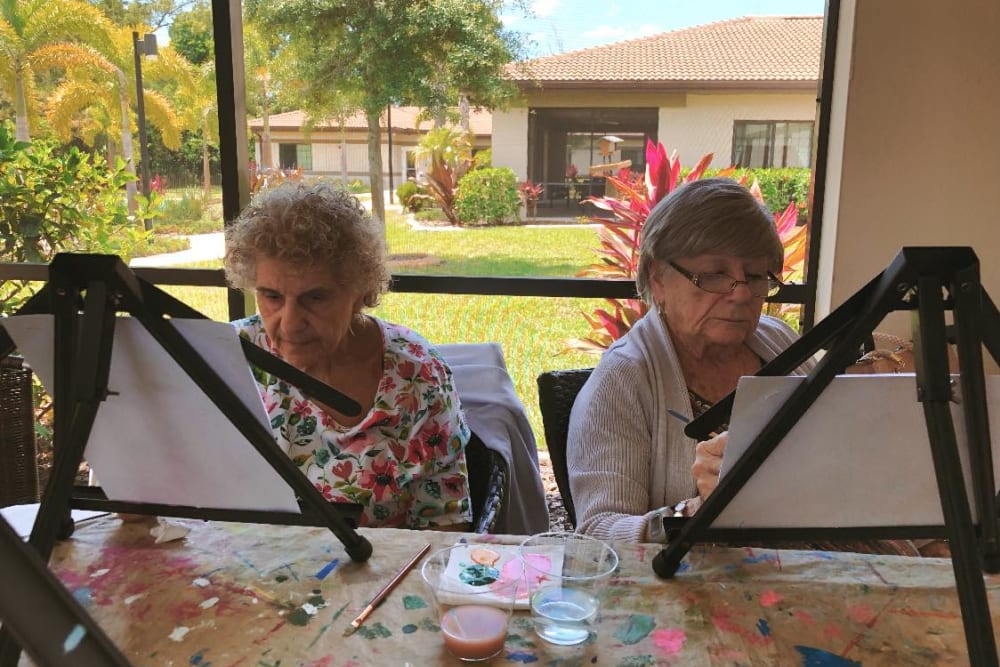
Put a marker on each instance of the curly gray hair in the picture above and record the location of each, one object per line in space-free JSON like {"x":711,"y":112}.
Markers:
{"x":306,"y":224}
{"x":707,"y":216}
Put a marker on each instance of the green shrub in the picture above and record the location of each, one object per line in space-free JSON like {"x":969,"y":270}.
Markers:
{"x":358,"y":187}
{"x":53,"y":201}
{"x":487,"y":197}
{"x":413,"y":197}
{"x":482,"y":158}
{"x":179,"y":214}
{"x":778,"y":186}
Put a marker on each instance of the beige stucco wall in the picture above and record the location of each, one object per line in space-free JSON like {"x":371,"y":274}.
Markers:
{"x":914,"y":140}
{"x":694,"y":123}
{"x":510,"y":140}
{"x":705,"y":123}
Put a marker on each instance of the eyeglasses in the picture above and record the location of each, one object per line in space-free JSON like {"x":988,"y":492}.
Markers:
{"x":720,"y":283}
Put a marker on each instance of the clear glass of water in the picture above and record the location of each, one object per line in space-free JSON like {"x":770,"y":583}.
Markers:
{"x":565,"y":574}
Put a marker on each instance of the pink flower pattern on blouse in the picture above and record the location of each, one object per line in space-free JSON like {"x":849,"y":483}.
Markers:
{"x":405,"y":461}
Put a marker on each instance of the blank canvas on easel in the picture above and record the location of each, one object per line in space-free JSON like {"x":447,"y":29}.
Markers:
{"x":158,"y":438}
{"x":859,"y":457}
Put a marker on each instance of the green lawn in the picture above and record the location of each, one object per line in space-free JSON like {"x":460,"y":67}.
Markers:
{"x":532,"y":331}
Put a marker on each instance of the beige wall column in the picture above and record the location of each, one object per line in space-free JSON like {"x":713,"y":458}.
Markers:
{"x":510,"y":140}
{"x":914,"y":142}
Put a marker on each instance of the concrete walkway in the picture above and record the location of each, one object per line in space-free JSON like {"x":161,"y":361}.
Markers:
{"x":203,"y":247}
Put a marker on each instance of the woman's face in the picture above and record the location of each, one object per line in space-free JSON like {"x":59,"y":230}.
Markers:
{"x":702,"y":318}
{"x":306,"y":311}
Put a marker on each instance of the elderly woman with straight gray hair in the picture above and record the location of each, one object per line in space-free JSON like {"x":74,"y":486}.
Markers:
{"x":709,"y":256}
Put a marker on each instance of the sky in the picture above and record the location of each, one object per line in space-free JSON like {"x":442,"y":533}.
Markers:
{"x":557,"y":26}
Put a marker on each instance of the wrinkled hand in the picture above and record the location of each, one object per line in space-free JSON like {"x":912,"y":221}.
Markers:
{"x":707,"y":461}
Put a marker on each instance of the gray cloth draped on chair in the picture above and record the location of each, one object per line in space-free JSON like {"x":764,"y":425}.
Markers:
{"x":495,"y":413}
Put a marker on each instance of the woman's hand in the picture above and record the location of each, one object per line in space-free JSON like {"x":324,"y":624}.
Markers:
{"x":707,"y":461}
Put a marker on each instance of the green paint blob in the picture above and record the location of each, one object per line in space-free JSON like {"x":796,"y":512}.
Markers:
{"x":638,"y":661}
{"x":298,"y":617}
{"x":414,"y":602}
{"x":520,"y":641}
{"x":281,"y":578}
{"x":409,"y":629}
{"x":635,"y":629}
{"x":429,"y":625}
{"x":374,"y":631}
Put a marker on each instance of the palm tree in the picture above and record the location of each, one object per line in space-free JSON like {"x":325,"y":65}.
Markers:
{"x":197,"y":96}
{"x":100,"y":88}
{"x":28,"y":28}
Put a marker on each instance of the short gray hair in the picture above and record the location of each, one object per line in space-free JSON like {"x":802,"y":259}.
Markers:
{"x":306,"y":224}
{"x":707,"y":216}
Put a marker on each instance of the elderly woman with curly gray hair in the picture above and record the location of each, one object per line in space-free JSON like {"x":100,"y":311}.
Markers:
{"x":315,"y":261}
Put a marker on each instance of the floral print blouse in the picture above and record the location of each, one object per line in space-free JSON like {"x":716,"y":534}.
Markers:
{"x":405,"y":461}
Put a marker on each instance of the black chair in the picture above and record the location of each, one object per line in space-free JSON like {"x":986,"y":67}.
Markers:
{"x":487,"y":484}
{"x":18,"y":464}
{"x":557,"y":392}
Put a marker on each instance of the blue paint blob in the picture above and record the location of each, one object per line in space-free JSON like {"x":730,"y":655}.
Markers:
{"x":759,"y":558}
{"x":763,"y":627}
{"x":327,"y":569}
{"x":409,"y":629}
{"x":683,"y":567}
{"x":522,"y":657}
{"x":84,"y":596}
{"x":817,"y":657}
{"x":74,"y":638}
{"x":198,"y":659}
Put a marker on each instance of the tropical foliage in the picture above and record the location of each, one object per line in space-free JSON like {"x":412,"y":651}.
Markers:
{"x":52,"y":202}
{"x":448,"y":154}
{"x":620,"y":237}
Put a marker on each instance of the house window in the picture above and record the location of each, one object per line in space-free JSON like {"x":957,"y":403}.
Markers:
{"x":295,"y":155}
{"x":772,"y":143}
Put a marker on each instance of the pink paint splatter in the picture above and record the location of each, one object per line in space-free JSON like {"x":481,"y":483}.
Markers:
{"x":863,"y":614}
{"x":804,"y":616}
{"x":831,"y":631}
{"x":770,"y":598}
{"x":669,"y":640}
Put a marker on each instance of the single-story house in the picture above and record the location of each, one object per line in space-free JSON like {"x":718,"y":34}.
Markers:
{"x":319,"y":151}
{"x":742,"y":89}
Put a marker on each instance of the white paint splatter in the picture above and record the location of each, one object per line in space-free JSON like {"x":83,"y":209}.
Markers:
{"x":254,"y":600}
{"x":209,"y":603}
{"x":132,"y":598}
{"x":309,"y":609}
{"x":179,"y":632}
{"x":99,"y":573}
{"x":201,"y":582}
{"x":74,"y":638}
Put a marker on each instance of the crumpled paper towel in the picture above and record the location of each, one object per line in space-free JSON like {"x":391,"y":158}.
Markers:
{"x":166,"y":530}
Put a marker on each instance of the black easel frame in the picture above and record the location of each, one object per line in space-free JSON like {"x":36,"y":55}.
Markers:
{"x":914,"y":281}
{"x":84,"y":293}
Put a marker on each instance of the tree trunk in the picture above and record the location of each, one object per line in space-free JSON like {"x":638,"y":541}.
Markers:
{"x":265,"y":135}
{"x":375,"y":165}
{"x":463,"y":112}
{"x":21,"y":109}
{"x":343,"y":153}
{"x":206,"y":171}
{"x":128,"y":153}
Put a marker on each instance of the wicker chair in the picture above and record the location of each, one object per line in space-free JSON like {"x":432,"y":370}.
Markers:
{"x":557,"y":392}
{"x":487,"y":484}
{"x":18,"y":465}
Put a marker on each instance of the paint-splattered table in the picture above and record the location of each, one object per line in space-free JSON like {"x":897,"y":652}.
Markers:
{"x":269,"y":596}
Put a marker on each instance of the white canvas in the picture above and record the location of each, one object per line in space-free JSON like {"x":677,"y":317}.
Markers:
{"x":860,"y":456}
{"x":158,"y":438}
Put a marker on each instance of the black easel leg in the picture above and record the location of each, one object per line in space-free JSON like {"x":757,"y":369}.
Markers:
{"x":962,"y":537}
{"x":934,"y":392}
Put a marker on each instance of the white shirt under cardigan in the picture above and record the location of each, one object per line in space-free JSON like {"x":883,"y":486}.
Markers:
{"x":626,"y":455}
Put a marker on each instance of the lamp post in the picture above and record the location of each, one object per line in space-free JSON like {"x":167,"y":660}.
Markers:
{"x":146,"y":46}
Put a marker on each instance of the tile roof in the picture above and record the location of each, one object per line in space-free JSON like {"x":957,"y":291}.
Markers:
{"x":404,"y":119}
{"x":748,"y":49}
